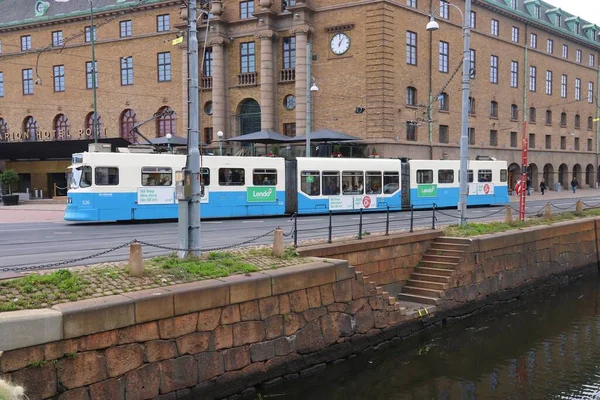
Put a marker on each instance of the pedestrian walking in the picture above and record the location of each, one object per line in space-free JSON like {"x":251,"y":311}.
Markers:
{"x":542,"y":186}
{"x":574,"y":184}
{"x":528,"y":183}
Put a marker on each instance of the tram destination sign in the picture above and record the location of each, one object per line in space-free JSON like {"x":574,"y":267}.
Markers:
{"x":156,"y":196}
{"x":261,"y":194}
{"x":427,"y":191}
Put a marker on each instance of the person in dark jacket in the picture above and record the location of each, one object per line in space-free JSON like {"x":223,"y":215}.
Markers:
{"x":574,"y":184}
{"x":528,"y":185}
{"x":542,"y":186}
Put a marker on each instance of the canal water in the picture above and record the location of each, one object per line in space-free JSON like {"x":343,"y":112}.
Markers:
{"x":546,"y":346}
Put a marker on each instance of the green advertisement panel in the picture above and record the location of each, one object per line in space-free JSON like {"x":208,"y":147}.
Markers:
{"x":256,"y":194}
{"x":427,"y":191}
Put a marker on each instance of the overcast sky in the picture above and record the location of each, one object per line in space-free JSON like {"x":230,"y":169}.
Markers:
{"x":589,"y":10}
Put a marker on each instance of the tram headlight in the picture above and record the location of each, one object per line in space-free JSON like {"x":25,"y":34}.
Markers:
{"x":69,"y":200}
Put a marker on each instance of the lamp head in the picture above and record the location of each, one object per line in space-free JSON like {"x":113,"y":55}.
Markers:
{"x":220,"y":134}
{"x":169,"y":136}
{"x":314,"y":88}
{"x":432,"y":25}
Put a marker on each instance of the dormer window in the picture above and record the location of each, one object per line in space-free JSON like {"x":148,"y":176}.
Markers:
{"x":558,"y":19}
{"x":537,"y":11}
{"x":514,"y":4}
{"x":577,"y":28}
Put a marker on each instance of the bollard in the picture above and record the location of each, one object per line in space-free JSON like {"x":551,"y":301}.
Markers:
{"x":278,"y":247}
{"x":548,"y":211}
{"x":579,"y":207}
{"x":136,"y":265}
{"x":508,"y":217}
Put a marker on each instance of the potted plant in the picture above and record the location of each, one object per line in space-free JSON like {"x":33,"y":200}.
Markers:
{"x":337,"y":151}
{"x":374,"y":153}
{"x":8,"y":177}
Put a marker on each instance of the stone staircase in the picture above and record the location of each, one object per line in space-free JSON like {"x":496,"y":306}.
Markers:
{"x":433,"y":274}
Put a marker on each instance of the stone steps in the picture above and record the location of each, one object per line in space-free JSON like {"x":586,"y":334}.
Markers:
{"x":441,"y":258}
{"x":419,"y":299}
{"x":452,"y":240}
{"x":435,"y":271}
{"x":439,"y":264}
{"x":429,"y":278}
{"x":429,"y":284}
{"x":422,"y":291}
{"x":449,"y":246}
{"x":445,"y":252}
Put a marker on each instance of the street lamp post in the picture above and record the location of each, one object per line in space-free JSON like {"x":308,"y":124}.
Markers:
{"x":93,"y":42}
{"x":220,"y":135}
{"x":310,"y":89}
{"x":464,"y":133}
{"x":169,"y":136}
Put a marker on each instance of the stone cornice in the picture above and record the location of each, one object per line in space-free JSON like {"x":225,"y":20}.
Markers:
{"x":218,"y":41}
{"x":268,"y":34}
{"x":301,"y":29}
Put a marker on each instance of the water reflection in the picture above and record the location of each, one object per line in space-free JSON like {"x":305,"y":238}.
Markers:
{"x":546,"y":347}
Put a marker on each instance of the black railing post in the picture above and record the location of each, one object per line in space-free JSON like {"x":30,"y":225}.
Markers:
{"x":360,"y":225}
{"x":330,"y":228}
{"x":433,"y":218}
{"x":387,"y":221}
{"x":412,"y":215}
{"x":295,"y":230}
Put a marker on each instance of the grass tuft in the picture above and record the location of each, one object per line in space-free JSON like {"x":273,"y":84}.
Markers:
{"x":215,"y":265}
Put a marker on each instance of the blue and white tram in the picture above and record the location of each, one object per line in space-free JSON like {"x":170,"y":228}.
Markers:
{"x":134,"y":186}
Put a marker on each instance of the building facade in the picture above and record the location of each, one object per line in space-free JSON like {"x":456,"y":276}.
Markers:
{"x":380,"y":76}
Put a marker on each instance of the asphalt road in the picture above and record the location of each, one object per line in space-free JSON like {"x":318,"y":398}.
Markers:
{"x":36,"y":244}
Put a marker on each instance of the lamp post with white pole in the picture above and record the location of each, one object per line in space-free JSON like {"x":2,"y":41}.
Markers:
{"x":169,"y":137}
{"x":220,"y":135}
{"x":464,"y":133}
{"x":310,"y":89}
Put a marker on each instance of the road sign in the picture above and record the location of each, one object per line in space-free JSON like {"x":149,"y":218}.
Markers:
{"x":518,"y":187}
{"x":486,"y":188}
{"x":366,"y":201}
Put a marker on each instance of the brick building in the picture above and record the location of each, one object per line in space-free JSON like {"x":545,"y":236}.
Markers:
{"x":381,"y":76}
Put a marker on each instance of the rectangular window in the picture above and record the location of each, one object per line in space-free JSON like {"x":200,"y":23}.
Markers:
{"x":27,"y":81}
{"x":589,"y":145}
{"x":578,"y":56}
{"x":503,"y":175}
{"x":352,"y":182}
{"x":289,"y":52}
{"x":373,"y":182}
{"x":443,"y":134}
{"x":533,"y":41}
{"x":157,"y":176}
{"x":548,"y":117}
{"x":513,"y":139}
{"x":558,"y":20}
{"x":91,"y":74}
{"x":591,"y":92}
{"x":472,"y":63}
{"x":537,"y":11}
{"x":411,"y":132}
{"x":550,"y":46}
{"x":563,"y":120}
{"x":163,"y":23}
{"x":246,"y":9}
{"x":493,"y":137}
{"x":444,"y":9}
{"x":471,"y":132}
{"x":493,"y":109}
{"x":577,"y":89}
{"x":331,"y":183}
{"x":411,"y":48}
{"x":514,"y":110}
{"x":126,"y":71}
{"x":473,"y":20}
{"x":513,"y":4}
{"x":411,"y":3}
{"x":0,"y":46}
{"x":26,"y":43}
{"x":391,"y":182}
{"x":577,"y":28}
{"x":289,"y":129}
{"x":59,"y":78}
{"x":106,"y":176}
{"x":424,"y":176}
{"x":208,"y":134}
{"x":207,"y":67}
{"x":549,"y":83}
{"x":563,"y":142}
{"x":1,"y":84}
{"x":234,"y":177}
{"x":548,"y":141}
{"x":264,"y":177}
{"x":247,"y":57}
{"x":125,"y":28}
{"x":164,"y":67}
{"x":515,"y":34}
{"x":576,"y":143}
{"x":57,"y":38}
{"x":565,"y":51}
{"x":88,"y":34}
{"x":592,"y":61}
{"x":563,"y":86}
{"x":532,"y":78}
{"x":514,"y":74}
{"x":446,"y":176}
{"x":484,"y":175}
{"x":532,"y":115}
{"x":444,"y":51}
{"x":495,"y":27}
{"x":532,"y":140}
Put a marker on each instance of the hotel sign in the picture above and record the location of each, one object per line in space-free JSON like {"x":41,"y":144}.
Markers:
{"x":42,"y":136}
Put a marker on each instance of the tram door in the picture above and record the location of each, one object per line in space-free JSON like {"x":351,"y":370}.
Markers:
{"x":405,"y":183}
{"x":291,"y":186}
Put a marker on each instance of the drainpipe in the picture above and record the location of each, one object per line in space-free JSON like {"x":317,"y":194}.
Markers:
{"x":429,"y":107}
{"x":597,"y":123}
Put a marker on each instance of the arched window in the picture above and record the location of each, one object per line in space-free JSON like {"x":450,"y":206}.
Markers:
{"x":590,"y":123}
{"x":514,"y":112}
{"x":494,"y":109}
{"x":89,"y":125}
{"x":532,"y":115}
{"x":61,"y":127}
{"x":411,"y":96}
{"x":3,"y":130}
{"x":577,"y":121}
{"x":444,"y":101}
{"x":166,"y":122}
{"x":30,"y":129}
{"x":128,"y":121}
{"x":548,"y":117}
{"x":471,"y":105}
{"x":563,"y":119}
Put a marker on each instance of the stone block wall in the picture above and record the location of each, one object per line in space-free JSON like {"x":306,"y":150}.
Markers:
{"x":209,"y":339}
{"x":503,"y":261}
{"x":386,"y":260}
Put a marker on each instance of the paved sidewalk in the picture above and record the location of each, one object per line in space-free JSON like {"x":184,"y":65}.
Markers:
{"x":32,"y":212}
{"x":563,"y":194}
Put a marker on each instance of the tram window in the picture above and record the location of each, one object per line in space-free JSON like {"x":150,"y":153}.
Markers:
{"x":484,"y":175}
{"x":469,"y":176}
{"x":86,"y":177}
{"x":107,"y":176}
{"x":391,"y":182}
{"x":231,"y":177}
{"x":424,"y":176}
{"x":373,"y":182}
{"x":205,"y":176}
{"x":310,"y":182}
{"x":157,"y":176}
{"x":331,"y":183}
{"x":503,"y":175}
{"x":264,"y":177}
{"x":446,"y":176}
{"x":352,"y":182}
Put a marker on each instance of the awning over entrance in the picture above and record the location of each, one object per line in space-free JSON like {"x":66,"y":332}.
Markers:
{"x":60,"y":149}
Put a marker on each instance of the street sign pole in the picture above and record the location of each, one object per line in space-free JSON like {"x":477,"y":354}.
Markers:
{"x":523,"y":193}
